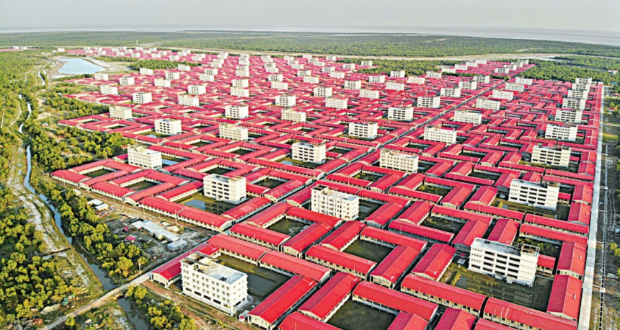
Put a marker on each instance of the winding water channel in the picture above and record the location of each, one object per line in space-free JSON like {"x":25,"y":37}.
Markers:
{"x":132,"y":313}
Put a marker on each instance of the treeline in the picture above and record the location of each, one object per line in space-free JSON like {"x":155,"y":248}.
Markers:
{"x":164,"y":315}
{"x":75,"y":108}
{"x":119,"y":259}
{"x":158,"y":65}
{"x":411,"y":67}
{"x":567,"y":72}
{"x":592,"y":62}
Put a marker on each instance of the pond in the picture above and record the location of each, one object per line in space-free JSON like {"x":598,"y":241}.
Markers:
{"x":74,"y":66}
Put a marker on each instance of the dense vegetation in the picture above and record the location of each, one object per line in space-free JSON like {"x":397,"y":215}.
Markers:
{"x":349,"y":44}
{"x":74,"y":108}
{"x":567,"y":71}
{"x":411,"y":67}
{"x":158,"y":65}
{"x":162,"y":315}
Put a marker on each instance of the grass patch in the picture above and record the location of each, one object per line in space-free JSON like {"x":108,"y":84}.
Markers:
{"x":242,"y":151}
{"x":483,"y":175}
{"x":368,"y":176}
{"x":561,"y":212}
{"x":168,"y":160}
{"x":357,"y":316}
{"x":443,"y":224}
{"x":367,"y":208}
{"x":219,"y":170}
{"x":98,"y":173}
{"x":546,"y":248}
{"x":341,"y":151}
{"x":205,"y":203}
{"x":201,"y":143}
{"x":291,"y":161}
{"x":368,"y":250}
{"x":261,"y":281}
{"x":433,"y":190}
{"x":142,"y":185}
{"x":288,"y":227}
{"x":269,"y":183}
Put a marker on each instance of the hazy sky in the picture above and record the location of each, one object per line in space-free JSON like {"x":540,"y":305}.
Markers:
{"x":600,"y":15}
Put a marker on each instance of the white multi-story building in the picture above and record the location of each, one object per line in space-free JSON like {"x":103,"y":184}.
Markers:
{"x":448,"y":70}
{"x":309,"y":152}
{"x":450,"y":92}
{"x":363,"y":130}
{"x":311,"y":80}
{"x":398,"y":161}
{"x":335,"y":203}
{"x":401,"y":114}
{"x":160,"y":82}
{"x":275,"y":77}
{"x":482,"y":79}
{"x":189,"y":100}
{"x":239,"y":92}
{"x":206,"y":77}
{"x":184,"y":67}
{"x":556,"y":156}
{"x":569,"y":115}
{"x":120,"y":112}
{"x":398,"y":74}
{"x":578,"y":94}
{"x":240,"y":83}
{"x":416,"y":80}
{"x":429,"y":102}
{"x":433,"y":75}
{"x":365,"y":63}
{"x":503,"y":70}
{"x":543,"y":194}
{"x":171,"y":75}
{"x":468,"y":85}
{"x":514,"y":87}
{"x":337,"y":75}
{"x":211,"y":71}
{"x":101,"y":76}
{"x":504,"y":95}
{"x":348,"y":66}
{"x":524,"y":81}
{"x":126,"y":81}
{"x":168,"y":126}
{"x":322,"y":91}
{"x":394,"y":86}
{"x":464,"y":116}
{"x":352,"y":84}
{"x":571,"y":103}
{"x":369,"y":94}
{"x":138,"y":155}
{"x":376,"y":79}
{"x":219,"y":286}
{"x":582,"y":86}
{"x":514,"y":264}
{"x":197,"y":89}
{"x":146,"y":72}
{"x":487,"y":104}
{"x":562,"y":133}
{"x":233,"y":132}
{"x":108,"y":90}
{"x":583,"y":80}
{"x":328,"y":69}
{"x":236,"y":111}
{"x":142,"y":97}
{"x":336,"y":103}
{"x":279,"y":85}
{"x":438,"y":134}
{"x":223,"y":188}
{"x":286,"y":100}
{"x":294,"y":116}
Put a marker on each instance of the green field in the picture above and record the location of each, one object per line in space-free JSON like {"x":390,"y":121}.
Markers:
{"x":368,"y":250}
{"x":357,"y":316}
{"x":288,"y":227}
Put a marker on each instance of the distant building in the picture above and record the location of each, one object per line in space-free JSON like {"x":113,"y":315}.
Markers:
{"x":468,"y":85}
{"x":556,"y":156}
{"x":322,"y":91}
{"x":311,"y":80}
{"x":376,"y":79}
{"x":146,"y":72}
{"x":159,"y":82}
{"x":120,"y":112}
{"x":126,"y":81}
{"x":352,"y":84}
{"x":569,"y":115}
{"x":146,"y":158}
{"x":279,"y":85}
{"x":183,"y":67}
{"x":464,"y":116}
{"x":436,"y":133}
{"x":189,"y":100}
{"x":561,"y":132}
{"x":398,"y":74}
{"x":101,"y":76}
{"x":543,"y":194}
{"x":487,"y":104}
{"x":573,"y":103}
{"x":336,"y":103}
{"x":223,"y":188}
{"x":286,"y":100}
{"x":433,"y":75}
{"x":334,"y":203}
{"x":504,"y":95}
{"x":363,"y":130}
{"x":240,"y":83}
{"x":294,"y":116}
{"x":233,"y":132}
{"x":368,"y":94}
{"x":400,"y":114}
{"x":108,"y":90}
{"x":450,"y":92}
{"x":398,"y":161}
{"x":514,"y":264}
{"x":239,"y":92}
{"x":309,"y":152}
{"x":142,"y":97}
{"x":429,"y":102}
{"x":514,"y":87}
{"x":170,"y":75}
{"x":416,"y":80}
{"x":395,"y":86}
{"x":197,"y":89}
{"x":524,"y":81}
{"x":482,"y":79}
{"x":236,"y":111}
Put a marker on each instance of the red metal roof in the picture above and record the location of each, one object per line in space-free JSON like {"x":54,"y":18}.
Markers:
{"x":406,"y":321}
{"x":505,"y":231}
{"x":298,"y":321}
{"x":172,"y":268}
{"x":269,"y":236}
{"x":470,"y":231}
{"x":484,"y":324}
{"x":422,"y":231}
{"x":330,"y":295}
{"x":295,"y":265}
{"x":393,"y":238}
{"x":283,"y":299}
{"x":527,"y":316}
{"x":565,"y":296}
{"x":395,"y":300}
{"x":435,"y":261}
{"x":572,"y":258}
{"x":342,"y":259}
{"x":247,"y":249}
{"x":395,"y":263}
{"x":344,"y":234}
{"x":455,"y":319}
{"x":444,"y":291}
{"x":307,"y":237}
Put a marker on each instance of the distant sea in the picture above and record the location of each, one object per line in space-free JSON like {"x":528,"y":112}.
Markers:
{"x":609,"y":38}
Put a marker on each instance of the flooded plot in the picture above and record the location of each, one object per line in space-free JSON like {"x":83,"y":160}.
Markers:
{"x":205,"y":203}
{"x":357,"y":316}
{"x":169,"y":160}
{"x":269,"y":183}
{"x":367,"y":208}
{"x":368,"y":250}
{"x":288,"y":227}
{"x":142,"y":185}
{"x":98,"y":173}
{"x":443,"y":224}
{"x":291,"y":161}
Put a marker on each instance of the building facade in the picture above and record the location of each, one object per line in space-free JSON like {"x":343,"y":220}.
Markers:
{"x":168,"y":126}
{"x":464,"y":116}
{"x":398,"y":161}
{"x":142,"y":97}
{"x":120,"y":112}
{"x":233,"y":132}
{"x":556,"y":156}
{"x":363,"y":130}
{"x":309,"y":152}
{"x":236,"y":111}
{"x":294,"y":116}
{"x":140,"y":156}
{"x":334,"y":203}
{"x":400,"y":114}
{"x":223,"y":188}
{"x":435,"y":133}
{"x":543,"y":194}
{"x":514,"y":264}
{"x":561,"y":132}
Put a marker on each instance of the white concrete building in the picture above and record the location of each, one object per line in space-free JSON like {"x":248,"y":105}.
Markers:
{"x":120,"y":112}
{"x":513,"y":264}
{"x":524,"y":81}
{"x":556,"y":156}
{"x":309,"y":152}
{"x":328,"y":69}
{"x":363,"y":130}
{"x":303,"y":73}
{"x":211,"y":71}
{"x":223,"y":188}
{"x":376,"y":79}
{"x":160,"y":82}
{"x":364,"y":63}
{"x":286,"y":100}
{"x":101,"y":76}
{"x":336,"y":103}
{"x":146,"y":72}
{"x":168,"y":126}
{"x":197,"y":89}
{"x":482,"y":103}
{"x":369,"y":94}
{"x":138,"y":155}
{"x":504,"y":95}
{"x":239,"y":92}
{"x":464,"y":116}
{"x":206,"y":77}
{"x":337,"y":75}
{"x":398,"y":74}
{"x":322,"y":91}
{"x":562,"y":133}
{"x":127,"y":81}
{"x":352,"y":84}
{"x":438,"y":134}
{"x":400,"y":114}
{"x":294,"y":116}
{"x":429,"y":102}
{"x":398,"y":161}
{"x":571,"y":103}
{"x":240,"y":83}
{"x":275,"y":77}
{"x":416,"y":80}
{"x":108,"y":90}
{"x":348,"y":66}
{"x":233,"y":132}
{"x":279,"y":85}
{"x":331,"y":202}
{"x":468,"y":85}
{"x":514,"y":87}
{"x":236,"y":111}
{"x":189,"y":100}
{"x":311,"y":80}
{"x":450,"y":92}
{"x":578,"y":94}
{"x":433,"y":75}
{"x":184,"y":67}
{"x":216,"y":285}
{"x":142,"y":97}
{"x":395,"y":86}
{"x":569,"y":115}
{"x":482,"y":79}
{"x":543,"y":194}
{"x":170,"y":75}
